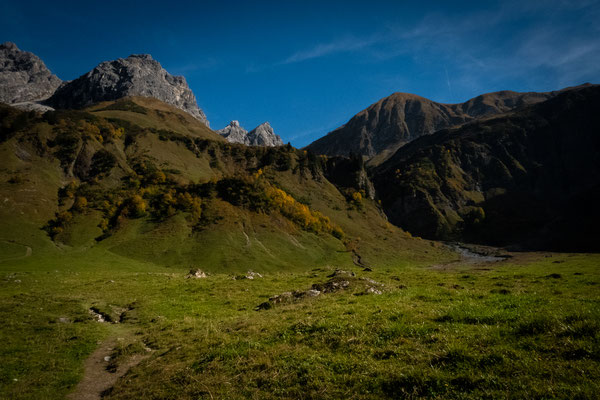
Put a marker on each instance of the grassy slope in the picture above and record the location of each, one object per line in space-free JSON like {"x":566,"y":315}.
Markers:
{"x":153,"y":113}
{"x":240,"y":240}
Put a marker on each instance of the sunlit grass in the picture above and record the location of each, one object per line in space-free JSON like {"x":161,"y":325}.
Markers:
{"x":525,"y":328}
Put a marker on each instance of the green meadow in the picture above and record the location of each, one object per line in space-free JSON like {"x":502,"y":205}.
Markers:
{"x":527,"y":327}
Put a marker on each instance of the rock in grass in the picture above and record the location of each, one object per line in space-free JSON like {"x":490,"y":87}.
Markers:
{"x":196,"y":274}
{"x":287,"y":297}
{"x":264,"y":306}
{"x":341,"y":272}
{"x":284,"y":297}
{"x":249,"y":275}
{"x":252,"y":275}
{"x":372,"y":290}
{"x":339,"y":280}
{"x":372,"y":281}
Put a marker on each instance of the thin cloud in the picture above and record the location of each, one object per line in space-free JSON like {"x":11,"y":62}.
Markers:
{"x":539,"y":38}
{"x":481,"y":61}
{"x":325,"y":49}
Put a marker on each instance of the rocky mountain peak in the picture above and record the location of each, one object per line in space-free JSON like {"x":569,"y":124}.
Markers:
{"x":136,"y":75}
{"x":23,"y":76}
{"x":8,"y":46}
{"x":234,"y":133}
{"x":262,"y":135}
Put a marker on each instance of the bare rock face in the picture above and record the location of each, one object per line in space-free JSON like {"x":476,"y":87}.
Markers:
{"x":136,"y":75}
{"x":262,"y":135}
{"x":24,"y":77}
{"x":234,"y":133}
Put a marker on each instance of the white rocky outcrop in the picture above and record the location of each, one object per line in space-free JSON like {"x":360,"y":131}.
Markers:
{"x":24,"y":78}
{"x":234,"y":133}
{"x":262,"y":135}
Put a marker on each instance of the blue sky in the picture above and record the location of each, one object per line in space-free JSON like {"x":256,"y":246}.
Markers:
{"x":309,"y":66}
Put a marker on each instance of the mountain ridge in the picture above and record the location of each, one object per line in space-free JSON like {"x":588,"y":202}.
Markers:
{"x":526,"y":177}
{"x":136,"y":75}
{"x":379,"y":130}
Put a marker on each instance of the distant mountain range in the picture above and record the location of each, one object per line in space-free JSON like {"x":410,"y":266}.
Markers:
{"x":379,"y":130}
{"x":27,"y":83}
{"x":128,"y":140}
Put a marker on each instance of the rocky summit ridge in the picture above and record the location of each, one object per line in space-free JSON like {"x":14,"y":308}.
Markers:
{"x":262,"y":135}
{"x":27,"y":83}
{"x":23,"y":76}
{"x":136,"y":75}
{"x":393,"y":121}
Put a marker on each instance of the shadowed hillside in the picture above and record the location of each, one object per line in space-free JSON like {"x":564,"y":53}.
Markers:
{"x":529,"y":177}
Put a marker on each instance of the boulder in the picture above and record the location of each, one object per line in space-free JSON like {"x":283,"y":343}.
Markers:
{"x":196,"y":274}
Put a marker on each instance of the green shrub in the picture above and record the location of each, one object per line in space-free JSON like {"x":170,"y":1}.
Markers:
{"x":102,"y":162}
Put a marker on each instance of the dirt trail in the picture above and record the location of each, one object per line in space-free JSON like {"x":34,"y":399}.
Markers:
{"x":28,"y":251}
{"x":97,"y":380}
{"x":358,"y":261}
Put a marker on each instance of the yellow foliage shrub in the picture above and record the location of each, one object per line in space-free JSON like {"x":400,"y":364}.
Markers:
{"x":301,"y":214}
{"x":137,"y":206}
{"x":80,"y":203}
{"x":103,"y":224}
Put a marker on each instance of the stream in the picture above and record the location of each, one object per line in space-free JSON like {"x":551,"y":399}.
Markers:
{"x":470,"y":255}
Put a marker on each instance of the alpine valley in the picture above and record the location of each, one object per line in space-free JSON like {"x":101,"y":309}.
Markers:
{"x":418,"y":251}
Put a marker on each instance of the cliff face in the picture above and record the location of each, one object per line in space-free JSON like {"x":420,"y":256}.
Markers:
{"x":23,"y":76}
{"x":136,"y":75}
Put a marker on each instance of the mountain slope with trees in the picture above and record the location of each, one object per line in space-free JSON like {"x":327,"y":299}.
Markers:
{"x":136,"y":177}
{"x":529,"y":177}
